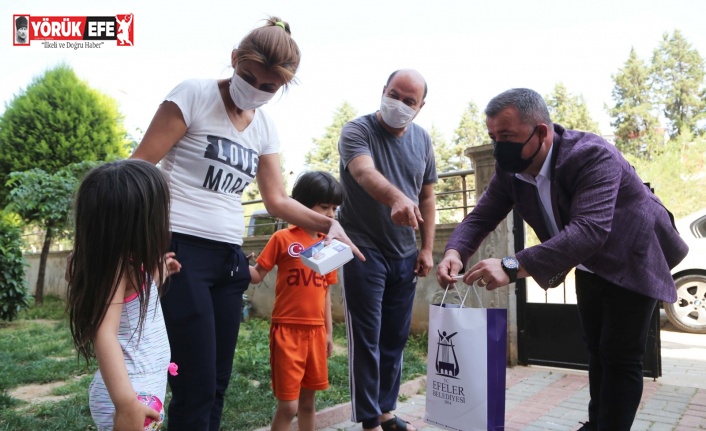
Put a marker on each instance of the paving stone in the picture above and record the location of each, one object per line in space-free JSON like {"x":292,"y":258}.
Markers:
{"x":543,"y":398}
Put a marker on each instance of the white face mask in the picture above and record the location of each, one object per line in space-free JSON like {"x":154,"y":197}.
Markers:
{"x":395,"y":113}
{"x":245,"y":96}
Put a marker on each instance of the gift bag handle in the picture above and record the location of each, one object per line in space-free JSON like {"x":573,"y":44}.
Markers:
{"x":473,"y":286}
{"x":443,"y":298}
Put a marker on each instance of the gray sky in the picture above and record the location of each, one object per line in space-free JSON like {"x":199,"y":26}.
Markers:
{"x":467,"y":50}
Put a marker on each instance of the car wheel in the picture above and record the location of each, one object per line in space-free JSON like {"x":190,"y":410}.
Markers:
{"x":688,"y":314}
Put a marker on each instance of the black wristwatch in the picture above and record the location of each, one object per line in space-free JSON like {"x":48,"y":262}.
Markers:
{"x":510,"y":266}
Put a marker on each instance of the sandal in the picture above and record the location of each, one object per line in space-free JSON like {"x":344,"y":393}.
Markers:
{"x":394,"y":424}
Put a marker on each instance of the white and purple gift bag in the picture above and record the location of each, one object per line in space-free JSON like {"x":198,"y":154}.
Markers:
{"x":466,"y":368}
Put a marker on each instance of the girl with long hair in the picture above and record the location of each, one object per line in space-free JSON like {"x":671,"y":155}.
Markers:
{"x":116,"y":273}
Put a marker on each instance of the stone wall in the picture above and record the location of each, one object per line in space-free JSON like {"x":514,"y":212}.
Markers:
{"x":54,"y":283}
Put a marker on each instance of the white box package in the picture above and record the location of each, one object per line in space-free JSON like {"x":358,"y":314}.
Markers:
{"x":324,"y":259}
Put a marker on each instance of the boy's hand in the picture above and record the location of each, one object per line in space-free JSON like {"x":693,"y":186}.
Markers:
{"x":329,"y":346}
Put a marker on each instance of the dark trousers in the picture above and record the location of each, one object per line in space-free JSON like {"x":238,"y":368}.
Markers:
{"x":379,"y":294}
{"x":615,"y":323}
{"x":202,"y":312}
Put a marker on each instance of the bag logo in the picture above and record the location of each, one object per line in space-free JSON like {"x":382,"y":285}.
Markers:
{"x":446,"y":360}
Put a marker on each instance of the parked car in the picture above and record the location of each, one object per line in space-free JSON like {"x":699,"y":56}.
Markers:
{"x":260,"y":222}
{"x":689,"y":312}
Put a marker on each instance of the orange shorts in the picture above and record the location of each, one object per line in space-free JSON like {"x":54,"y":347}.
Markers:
{"x":297,"y":359}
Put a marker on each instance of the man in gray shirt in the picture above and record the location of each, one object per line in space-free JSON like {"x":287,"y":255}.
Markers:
{"x":388,"y":171}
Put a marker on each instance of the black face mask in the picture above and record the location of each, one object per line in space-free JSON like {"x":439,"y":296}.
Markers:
{"x":509,"y":155}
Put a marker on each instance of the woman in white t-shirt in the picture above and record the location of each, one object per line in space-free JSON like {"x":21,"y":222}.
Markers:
{"x":212,"y":142}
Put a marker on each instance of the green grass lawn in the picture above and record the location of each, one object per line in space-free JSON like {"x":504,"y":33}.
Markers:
{"x":37,"y":349}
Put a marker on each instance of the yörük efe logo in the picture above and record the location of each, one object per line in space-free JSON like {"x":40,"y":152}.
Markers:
{"x":73,"y":32}
{"x":447,"y":366}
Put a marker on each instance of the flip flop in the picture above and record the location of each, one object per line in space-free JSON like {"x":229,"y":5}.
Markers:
{"x":394,"y":424}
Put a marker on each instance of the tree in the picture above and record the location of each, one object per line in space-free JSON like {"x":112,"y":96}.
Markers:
{"x":324,"y":156}
{"x":449,"y":197}
{"x":46,"y":199}
{"x":677,"y":173}
{"x":13,"y":285}
{"x":471,"y":132}
{"x":569,"y":110}
{"x":633,"y":115}
{"x":56,"y":121}
{"x":252,"y":191}
{"x":678,"y":74}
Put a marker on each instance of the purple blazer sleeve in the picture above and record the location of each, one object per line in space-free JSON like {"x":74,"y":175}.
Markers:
{"x":608,"y":220}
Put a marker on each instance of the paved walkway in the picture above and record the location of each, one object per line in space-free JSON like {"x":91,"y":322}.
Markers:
{"x":543,"y":398}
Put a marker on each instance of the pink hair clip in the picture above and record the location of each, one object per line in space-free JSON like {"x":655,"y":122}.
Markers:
{"x":173,"y":369}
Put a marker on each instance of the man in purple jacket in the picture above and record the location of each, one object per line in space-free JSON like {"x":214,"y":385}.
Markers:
{"x":592,"y":212}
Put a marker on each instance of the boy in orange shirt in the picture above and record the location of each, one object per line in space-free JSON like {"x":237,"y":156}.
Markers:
{"x":301,"y":337}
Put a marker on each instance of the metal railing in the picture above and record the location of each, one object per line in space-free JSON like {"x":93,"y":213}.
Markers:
{"x":455,"y":198}
{"x":447,"y":200}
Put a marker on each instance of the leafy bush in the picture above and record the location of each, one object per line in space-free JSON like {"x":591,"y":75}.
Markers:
{"x":677,"y":174}
{"x":45,"y":198}
{"x":13,"y":286}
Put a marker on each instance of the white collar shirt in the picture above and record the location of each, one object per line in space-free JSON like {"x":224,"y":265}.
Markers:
{"x":543,"y":184}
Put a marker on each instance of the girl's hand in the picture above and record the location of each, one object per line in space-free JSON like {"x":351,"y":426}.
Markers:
{"x":131,"y":417}
{"x":171,"y":265}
